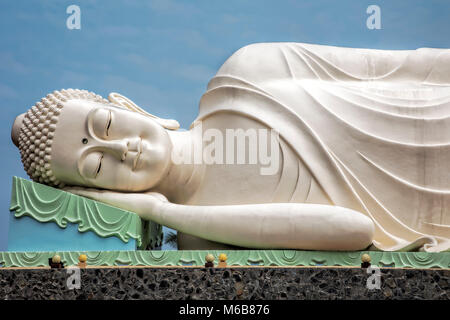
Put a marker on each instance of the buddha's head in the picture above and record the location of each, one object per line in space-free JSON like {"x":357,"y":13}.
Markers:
{"x":75,"y":137}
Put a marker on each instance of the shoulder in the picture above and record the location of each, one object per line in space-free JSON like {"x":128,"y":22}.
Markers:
{"x":256,"y":59}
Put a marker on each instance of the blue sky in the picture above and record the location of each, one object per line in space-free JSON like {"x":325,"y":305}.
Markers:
{"x":161,"y":54}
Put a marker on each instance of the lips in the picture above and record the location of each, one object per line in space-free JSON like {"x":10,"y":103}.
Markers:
{"x":139,"y":152}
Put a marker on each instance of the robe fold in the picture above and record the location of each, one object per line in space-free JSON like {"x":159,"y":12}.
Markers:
{"x":372,"y":127}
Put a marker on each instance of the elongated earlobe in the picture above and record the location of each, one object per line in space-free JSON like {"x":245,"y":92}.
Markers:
{"x":126,"y":103}
{"x":15,"y":131}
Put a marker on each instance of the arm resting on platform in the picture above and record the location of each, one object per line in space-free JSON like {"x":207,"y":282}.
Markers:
{"x":272,"y":225}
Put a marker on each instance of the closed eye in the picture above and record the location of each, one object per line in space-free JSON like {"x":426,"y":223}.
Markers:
{"x":108,"y":124}
{"x":99,"y":166}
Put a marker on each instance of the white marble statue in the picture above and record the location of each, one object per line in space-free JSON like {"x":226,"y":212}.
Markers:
{"x":361,"y":154}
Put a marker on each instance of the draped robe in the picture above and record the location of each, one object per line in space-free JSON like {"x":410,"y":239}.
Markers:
{"x":372,"y":127}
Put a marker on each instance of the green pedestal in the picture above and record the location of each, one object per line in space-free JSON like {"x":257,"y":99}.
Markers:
{"x":48,"y":219}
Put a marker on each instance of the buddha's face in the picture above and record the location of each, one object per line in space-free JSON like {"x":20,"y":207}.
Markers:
{"x":103,"y":146}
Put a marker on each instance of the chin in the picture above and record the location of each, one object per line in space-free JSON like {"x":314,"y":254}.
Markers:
{"x":144,"y":183}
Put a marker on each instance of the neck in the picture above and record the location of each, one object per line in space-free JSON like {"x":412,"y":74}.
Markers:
{"x":183,"y":177}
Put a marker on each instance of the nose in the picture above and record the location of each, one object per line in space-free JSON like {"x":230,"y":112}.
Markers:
{"x":117,"y":148}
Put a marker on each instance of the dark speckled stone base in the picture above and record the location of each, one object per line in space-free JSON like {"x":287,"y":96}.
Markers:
{"x":228,"y":283}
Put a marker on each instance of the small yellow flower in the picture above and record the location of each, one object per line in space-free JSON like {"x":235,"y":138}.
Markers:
{"x":223,"y":257}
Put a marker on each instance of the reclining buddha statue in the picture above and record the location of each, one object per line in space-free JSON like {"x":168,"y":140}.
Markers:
{"x":296,"y":146}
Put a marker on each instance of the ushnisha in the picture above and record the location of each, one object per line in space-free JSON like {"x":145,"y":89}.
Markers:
{"x":362,"y":150}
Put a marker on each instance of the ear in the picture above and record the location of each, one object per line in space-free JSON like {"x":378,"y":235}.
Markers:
{"x":126,"y":103}
{"x":15,"y":131}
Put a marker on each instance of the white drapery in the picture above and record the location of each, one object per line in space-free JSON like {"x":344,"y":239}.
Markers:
{"x":372,"y":127}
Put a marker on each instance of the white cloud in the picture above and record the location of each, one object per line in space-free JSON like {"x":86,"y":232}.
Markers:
{"x":119,"y":31}
{"x":172,"y":6}
{"x":11,"y":64}
{"x":74,"y":79}
{"x":6,"y":92}
{"x":138,"y":61}
{"x":192,"y":38}
{"x":192,"y":72}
